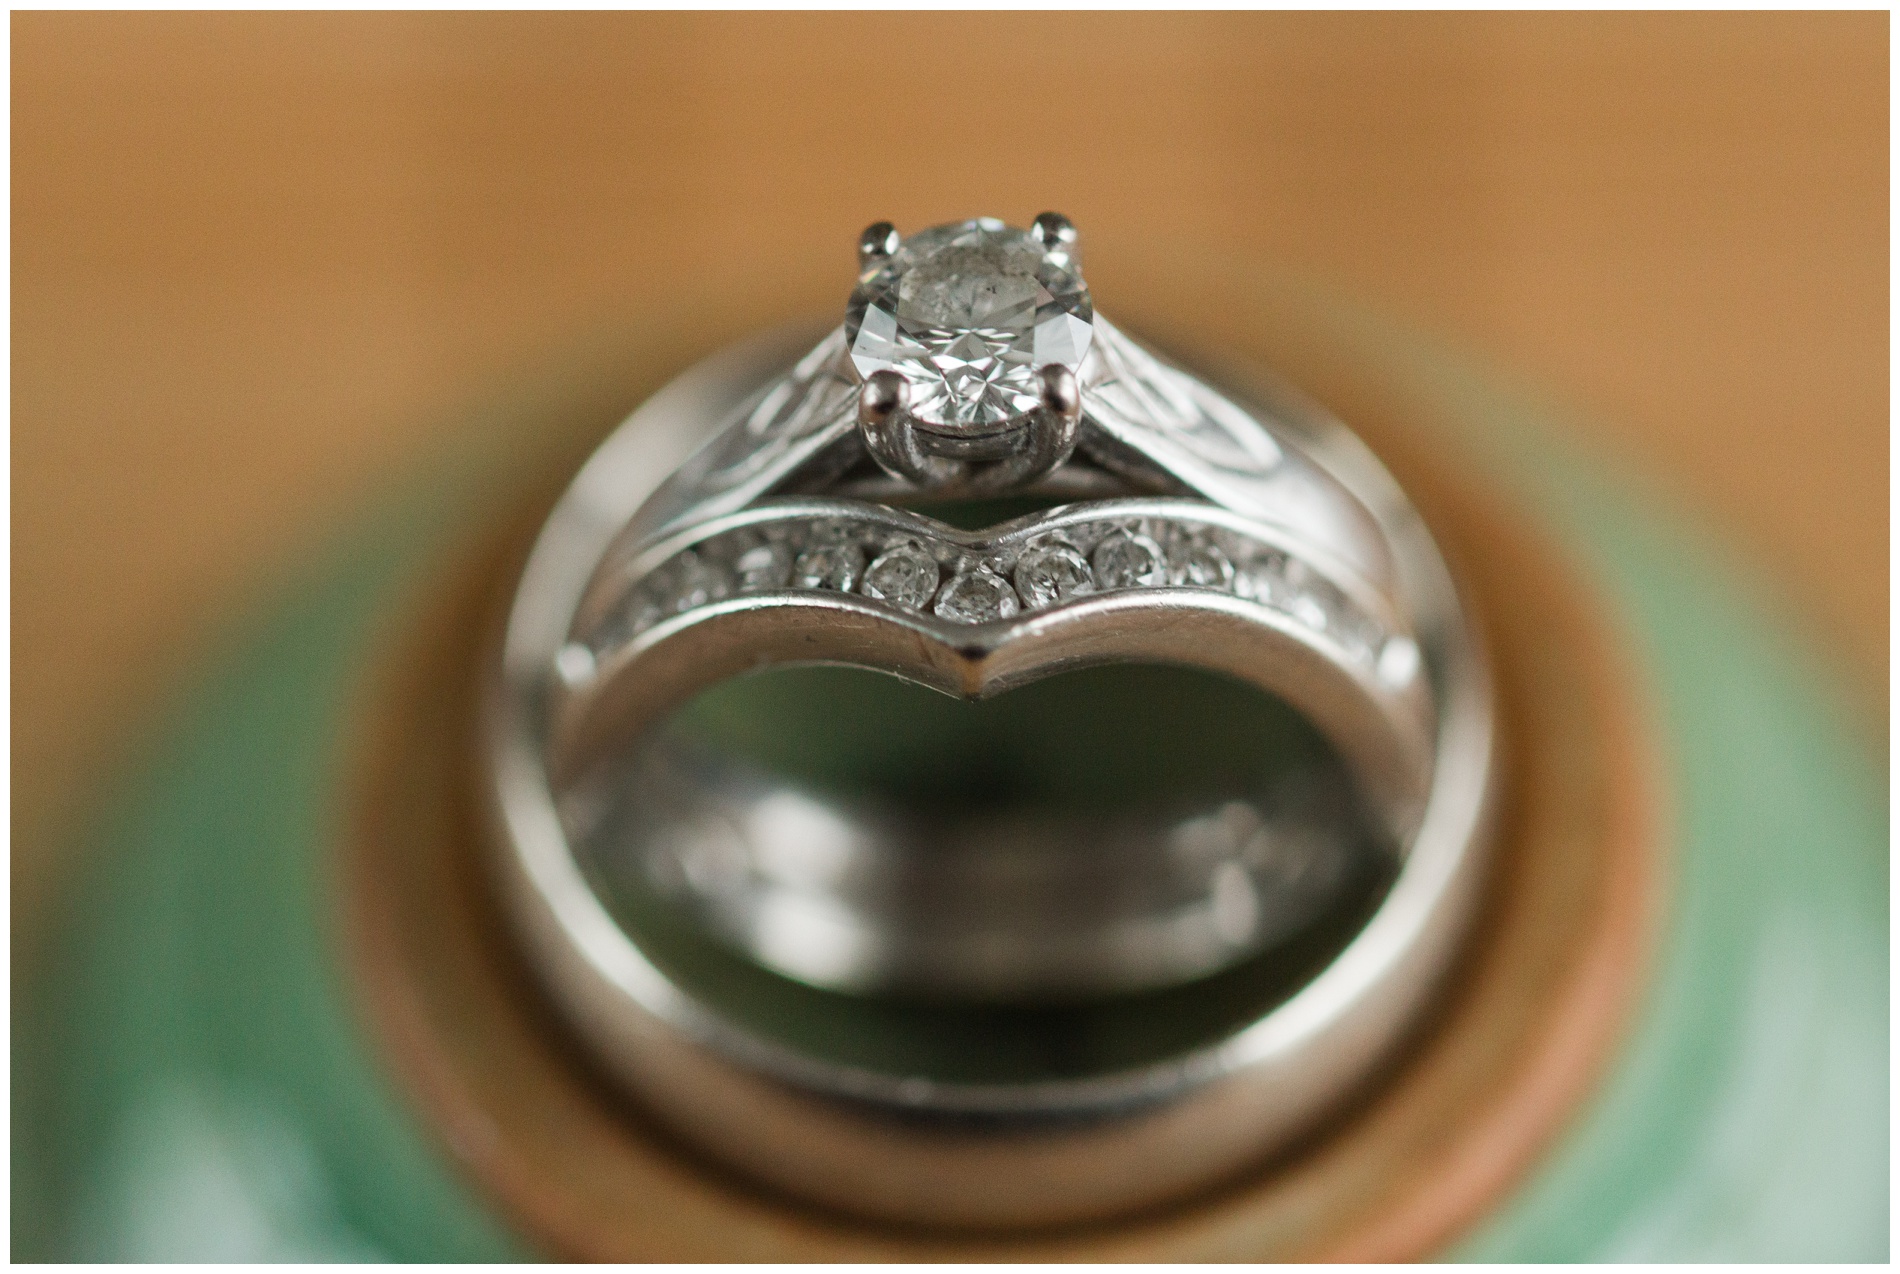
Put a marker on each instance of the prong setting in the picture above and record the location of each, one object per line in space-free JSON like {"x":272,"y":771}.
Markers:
{"x":882,"y":397}
{"x":877,"y":243}
{"x":890,"y":435}
{"x":1056,"y":233}
{"x":968,"y":340}
{"x":1061,"y":394}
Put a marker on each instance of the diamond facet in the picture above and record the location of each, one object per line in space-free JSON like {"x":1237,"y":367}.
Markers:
{"x":1307,"y":609}
{"x":828,"y":566}
{"x":905,"y":575}
{"x":1201,"y":564}
{"x":1049,"y":573}
{"x":976,"y":596}
{"x":1262,"y":578}
{"x":1128,"y":559}
{"x":968,"y":313}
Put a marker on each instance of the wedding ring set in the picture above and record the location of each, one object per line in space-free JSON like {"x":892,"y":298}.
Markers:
{"x":996,"y":1008}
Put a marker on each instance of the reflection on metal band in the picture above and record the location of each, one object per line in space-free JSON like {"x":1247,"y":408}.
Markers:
{"x":1023,"y":904}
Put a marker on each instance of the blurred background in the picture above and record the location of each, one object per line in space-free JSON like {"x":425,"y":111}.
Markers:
{"x":261,"y":262}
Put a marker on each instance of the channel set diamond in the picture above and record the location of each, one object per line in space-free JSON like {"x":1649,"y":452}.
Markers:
{"x":919,"y":572}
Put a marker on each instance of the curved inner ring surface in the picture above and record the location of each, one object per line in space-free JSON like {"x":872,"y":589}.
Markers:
{"x":1094,"y":837}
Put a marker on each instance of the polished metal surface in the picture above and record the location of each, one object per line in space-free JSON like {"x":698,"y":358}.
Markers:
{"x":1000,"y":907}
{"x":838,"y":993}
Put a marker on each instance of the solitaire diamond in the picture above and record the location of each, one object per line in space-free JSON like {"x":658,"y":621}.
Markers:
{"x":968,"y":314}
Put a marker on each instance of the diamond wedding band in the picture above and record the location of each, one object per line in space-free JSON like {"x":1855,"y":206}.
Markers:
{"x":986,"y":1011}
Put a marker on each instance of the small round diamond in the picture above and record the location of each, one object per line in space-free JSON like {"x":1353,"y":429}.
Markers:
{"x":1049,"y":573}
{"x":977,"y":596}
{"x":1322,"y":606}
{"x":968,"y":314}
{"x":763,"y":567}
{"x":829,"y":566}
{"x":1127,"y":559}
{"x":1262,"y":579}
{"x":906,"y":576}
{"x":697,"y":582}
{"x":1307,"y":609}
{"x":1203,"y":565}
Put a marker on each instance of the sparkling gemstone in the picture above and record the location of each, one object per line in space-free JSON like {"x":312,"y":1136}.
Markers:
{"x":968,"y":313}
{"x":905,"y":575}
{"x":763,"y":567}
{"x":637,"y":614}
{"x":1308,"y":610}
{"x":1262,"y":579}
{"x":1323,"y":606}
{"x":697,"y":582}
{"x":1128,"y":559}
{"x":829,"y":566}
{"x":1357,"y":633}
{"x":976,"y":596}
{"x":1201,"y":564}
{"x":1304,"y":594}
{"x":1049,"y":573}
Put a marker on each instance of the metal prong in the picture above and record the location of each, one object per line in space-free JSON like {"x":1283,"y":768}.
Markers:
{"x":877,"y":242}
{"x":890,"y":435}
{"x":1061,"y":395}
{"x":1055,"y":232}
{"x":881,"y":397}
